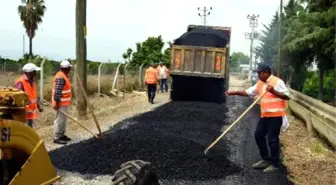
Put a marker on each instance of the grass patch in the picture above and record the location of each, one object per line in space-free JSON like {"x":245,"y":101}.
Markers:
{"x":309,"y":160}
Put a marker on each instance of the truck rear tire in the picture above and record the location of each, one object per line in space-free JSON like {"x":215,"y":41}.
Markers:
{"x":135,"y":172}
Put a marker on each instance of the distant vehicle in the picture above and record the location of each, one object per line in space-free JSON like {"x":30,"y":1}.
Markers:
{"x":200,"y":64}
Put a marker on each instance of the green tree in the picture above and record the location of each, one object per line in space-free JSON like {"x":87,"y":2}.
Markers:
{"x":238,"y":58}
{"x":307,"y":36}
{"x":31,"y":13}
{"x":127,"y":55}
{"x":149,"y":51}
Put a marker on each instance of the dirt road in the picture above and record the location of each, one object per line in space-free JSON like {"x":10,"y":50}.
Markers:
{"x":172,"y":136}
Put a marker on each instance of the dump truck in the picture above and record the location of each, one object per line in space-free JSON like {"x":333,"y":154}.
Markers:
{"x":200,"y":64}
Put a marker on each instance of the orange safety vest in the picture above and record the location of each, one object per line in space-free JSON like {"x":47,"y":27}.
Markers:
{"x":66,"y":91}
{"x":150,"y":77}
{"x":31,"y":105}
{"x":270,"y":105}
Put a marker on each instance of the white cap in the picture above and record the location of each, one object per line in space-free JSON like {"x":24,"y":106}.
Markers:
{"x":65,"y":64}
{"x":30,"y":67}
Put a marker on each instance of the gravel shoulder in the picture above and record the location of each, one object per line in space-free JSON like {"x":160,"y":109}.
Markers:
{"x":172,"y":123}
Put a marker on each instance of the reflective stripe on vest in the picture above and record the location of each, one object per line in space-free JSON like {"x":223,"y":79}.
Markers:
{"x":270,"y":105}
{"x":66,"y":91}
{"x":31,"y":104}
{"x":151,"y":76}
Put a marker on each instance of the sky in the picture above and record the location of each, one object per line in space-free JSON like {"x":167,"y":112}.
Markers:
{"x":114,"y":26}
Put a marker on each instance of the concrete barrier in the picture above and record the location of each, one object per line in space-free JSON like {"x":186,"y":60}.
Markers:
{"x":318,"y":116}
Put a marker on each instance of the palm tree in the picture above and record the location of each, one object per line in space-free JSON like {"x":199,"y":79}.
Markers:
{"x":31,"y":13}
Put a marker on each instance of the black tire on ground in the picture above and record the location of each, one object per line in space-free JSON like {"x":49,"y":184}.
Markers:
{"x":185,"y":88}
{"x":135,"y":172}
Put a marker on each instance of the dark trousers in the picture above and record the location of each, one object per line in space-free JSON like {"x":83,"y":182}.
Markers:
{"x":151,"y":91}
{"x":271,"y":127}
{"x":163,"y":84}
{"x":30,"y":122}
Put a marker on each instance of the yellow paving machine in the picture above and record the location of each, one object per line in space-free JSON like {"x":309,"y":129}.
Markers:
{"x":24,"y":158}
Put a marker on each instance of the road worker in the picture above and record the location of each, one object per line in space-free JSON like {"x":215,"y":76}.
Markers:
{"x":151,"y":80}
{"x":272,"y":106}
{"x":27,"y":84}
{"x":61,"y":100}
{"x":163,"y":76}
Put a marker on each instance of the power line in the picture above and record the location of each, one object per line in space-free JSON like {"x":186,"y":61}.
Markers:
{"x":205,"y":13}
{"x":253,"y":21}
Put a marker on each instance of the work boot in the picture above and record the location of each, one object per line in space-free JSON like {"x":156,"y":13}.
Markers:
{"x":65,"y":138}
{"x":271,"y":168}
{"x":59,"y":141}
{"x":262,"y":164}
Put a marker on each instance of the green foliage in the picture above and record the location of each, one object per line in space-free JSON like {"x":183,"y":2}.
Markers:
{"x":51,"y":67}
{"x":311,"y":85}
{"x":148,"y":51}
{"x":238,"y":58}
{"x":307,"y":36}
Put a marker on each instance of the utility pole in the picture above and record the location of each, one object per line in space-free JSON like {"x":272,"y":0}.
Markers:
{"x":253,"y":21}
{"x":81,"y":56}
{"x":279,"y":48}
{"x":205,"y":13}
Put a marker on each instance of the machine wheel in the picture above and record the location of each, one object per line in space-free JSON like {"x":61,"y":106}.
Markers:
{"x":135,"y":172}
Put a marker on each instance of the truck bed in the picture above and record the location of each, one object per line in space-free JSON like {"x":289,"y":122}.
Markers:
{"x":199,"y":61}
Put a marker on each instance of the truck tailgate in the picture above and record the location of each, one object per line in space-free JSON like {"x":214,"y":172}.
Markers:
{"x":199,"y":61}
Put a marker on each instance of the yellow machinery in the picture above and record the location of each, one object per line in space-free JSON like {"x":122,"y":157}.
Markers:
{"x":24,"y":158}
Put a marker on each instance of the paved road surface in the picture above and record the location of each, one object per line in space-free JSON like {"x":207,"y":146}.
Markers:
{"x":173,"y":137}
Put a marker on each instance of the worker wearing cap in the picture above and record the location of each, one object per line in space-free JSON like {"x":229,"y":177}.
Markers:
{"x":272,"y":106}
{"x":163,"y":76}
{"x":61,"y":100}
{"x":151,"y":79}
{"x":27,"y":84}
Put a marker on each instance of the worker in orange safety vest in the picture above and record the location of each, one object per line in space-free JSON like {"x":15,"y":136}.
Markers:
{"x":151,"y":80}
{"x":27,"y":84}
{"x":61,"y":100}
{"x":273,"y":112}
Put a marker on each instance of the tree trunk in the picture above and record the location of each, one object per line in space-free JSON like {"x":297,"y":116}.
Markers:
{"x":30,"y":46}
{"x":321,"y":78}
{"x":81,"y":56}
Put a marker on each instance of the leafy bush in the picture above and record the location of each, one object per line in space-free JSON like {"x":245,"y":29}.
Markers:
{"x":311,"y":86}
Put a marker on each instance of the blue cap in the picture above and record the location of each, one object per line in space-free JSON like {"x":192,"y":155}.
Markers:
{"x":264,"y":68}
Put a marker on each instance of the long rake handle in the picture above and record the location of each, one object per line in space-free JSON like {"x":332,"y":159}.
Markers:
{"x":237,"y":120}
{"x":75,"y":120}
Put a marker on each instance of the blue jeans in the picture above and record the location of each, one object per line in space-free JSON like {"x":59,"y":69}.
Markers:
{"x":163,"y":84}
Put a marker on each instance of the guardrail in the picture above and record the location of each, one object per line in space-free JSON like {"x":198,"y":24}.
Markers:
{"x":319,"y":117}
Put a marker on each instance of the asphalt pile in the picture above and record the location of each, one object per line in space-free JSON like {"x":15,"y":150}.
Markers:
{"x":172,"y":137}
{"x":206,"y":37}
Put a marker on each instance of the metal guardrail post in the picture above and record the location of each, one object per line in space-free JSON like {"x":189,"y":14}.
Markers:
{"x":99,"y":74}
{"x":41,"y":79}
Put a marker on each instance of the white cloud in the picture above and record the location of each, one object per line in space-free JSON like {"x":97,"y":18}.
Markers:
{"x":113,"y":26}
